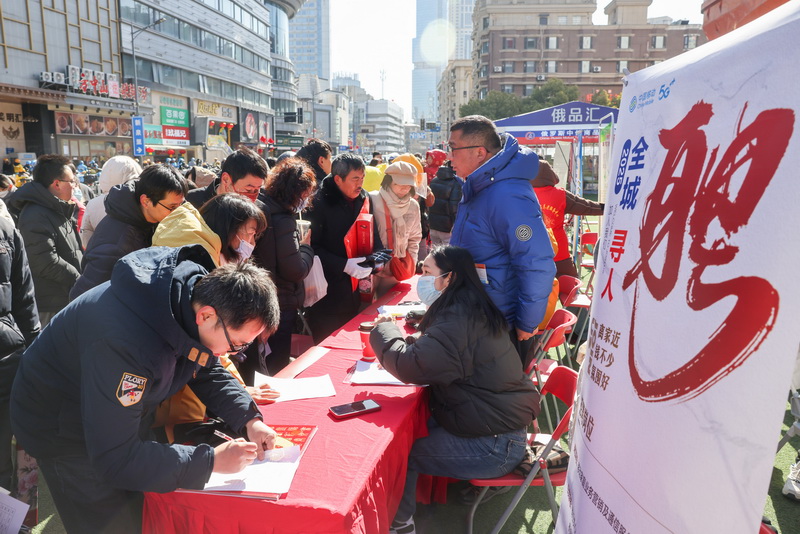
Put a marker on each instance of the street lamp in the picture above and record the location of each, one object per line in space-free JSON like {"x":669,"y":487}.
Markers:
{"x":135,"y":67}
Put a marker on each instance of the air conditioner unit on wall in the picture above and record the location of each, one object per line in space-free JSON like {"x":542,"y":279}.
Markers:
{"x":498,"y":69}
{"x":59,"y":78}
{"x":45,"y":76}
{"x":540,"y":77}
{"x":596,"y":69}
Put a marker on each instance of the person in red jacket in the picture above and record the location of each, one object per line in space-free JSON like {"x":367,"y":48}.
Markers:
{"x":433,"y":160}
{"x":555,"y":203}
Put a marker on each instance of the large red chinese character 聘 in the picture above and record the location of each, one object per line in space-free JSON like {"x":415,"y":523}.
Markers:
{"x":702,"y":194}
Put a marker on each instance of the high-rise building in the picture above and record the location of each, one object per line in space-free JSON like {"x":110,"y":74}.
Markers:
{"x":310,"y":39}
{"x":444,"y":30}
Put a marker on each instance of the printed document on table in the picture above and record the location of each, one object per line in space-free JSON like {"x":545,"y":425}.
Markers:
{"x":298,"y":388}
{"x":400,"y":310}
{"x":374,"y":373}
{"x":12,"y":513}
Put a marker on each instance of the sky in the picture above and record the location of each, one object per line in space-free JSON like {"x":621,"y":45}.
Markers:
{"x":370,"y":36}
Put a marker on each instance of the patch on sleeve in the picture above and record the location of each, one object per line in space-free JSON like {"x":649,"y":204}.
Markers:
{"x":524,"y":232}
{"x":131,"y":389}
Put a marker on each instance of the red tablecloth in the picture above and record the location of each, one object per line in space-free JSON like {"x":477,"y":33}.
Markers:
{"x":350,"y":479}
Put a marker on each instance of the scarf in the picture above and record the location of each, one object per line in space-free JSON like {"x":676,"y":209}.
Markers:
{"x":398,"y":207}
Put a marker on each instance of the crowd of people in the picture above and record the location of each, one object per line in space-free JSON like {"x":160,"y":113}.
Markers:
{"x":130,"y":318}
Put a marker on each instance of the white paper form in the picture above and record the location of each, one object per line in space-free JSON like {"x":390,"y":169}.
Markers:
{"x":12,"y":513}
{"x":298,"y":388}
{"x":374,"y":373}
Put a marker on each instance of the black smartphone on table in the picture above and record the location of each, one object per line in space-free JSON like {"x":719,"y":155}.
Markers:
{"x":352,"y":409}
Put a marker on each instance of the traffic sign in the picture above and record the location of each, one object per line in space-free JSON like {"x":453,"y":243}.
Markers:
{"x":137,"y":124}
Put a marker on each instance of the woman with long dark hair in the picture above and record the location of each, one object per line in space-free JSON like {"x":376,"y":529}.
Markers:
{"x":283,"y":251}
{"x":481,"y":400}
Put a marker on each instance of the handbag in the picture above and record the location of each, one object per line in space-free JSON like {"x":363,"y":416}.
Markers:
{"x":316,"y":285}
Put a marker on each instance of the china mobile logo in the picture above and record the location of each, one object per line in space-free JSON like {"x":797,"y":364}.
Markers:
{"x":699,"y":195}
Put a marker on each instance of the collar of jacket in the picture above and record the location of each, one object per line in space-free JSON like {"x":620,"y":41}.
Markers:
{"x":36,"y":193}
{"x":121,"y":203}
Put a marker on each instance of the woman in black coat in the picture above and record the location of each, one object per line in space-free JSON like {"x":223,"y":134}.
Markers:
{"x":481,"y":400}
{"x":283,"y":251}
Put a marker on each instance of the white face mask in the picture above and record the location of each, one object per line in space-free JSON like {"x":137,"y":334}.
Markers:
{"x":4,"y":194}
{"x":245,"y":249}
{"x":426,"y":291}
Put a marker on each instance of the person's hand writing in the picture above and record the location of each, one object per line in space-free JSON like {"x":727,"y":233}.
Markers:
{"x":262,"y":435}
{"x":263,"y":394}
{"x":522,"y":335}
{"x":233,"y":456}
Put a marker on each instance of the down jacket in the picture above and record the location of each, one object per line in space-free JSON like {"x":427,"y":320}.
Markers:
{"x":477,"y":385}
{"x":49,"y":228}
{"x":90,"y":383}
{"x":446,"y":188}
{"x":500,"y":223}
{"x":279,"y":251}
{"x":123,"y":230}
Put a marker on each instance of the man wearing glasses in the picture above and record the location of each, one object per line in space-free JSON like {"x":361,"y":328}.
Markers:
{"x":133,"y":211}
{"x":242,"y":172}
{"x":87,"y":389}
{"x":499,"y":221}
{"x":47,"y":220}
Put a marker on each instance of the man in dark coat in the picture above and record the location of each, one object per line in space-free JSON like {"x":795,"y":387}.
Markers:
{"x":133,"y":211}
{"x":446,"y":187}
{"x":242,"y":172}
{"x":47,"y":219}
{"x":87,"y":388}
{"x":335,"y":208}
{"x":19,"y":325}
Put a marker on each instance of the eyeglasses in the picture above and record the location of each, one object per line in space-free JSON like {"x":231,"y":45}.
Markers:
{"x":234,"y":349}
{"x":451,"y":149}
{"x":71,"y":182}
{"x":168,"y":208}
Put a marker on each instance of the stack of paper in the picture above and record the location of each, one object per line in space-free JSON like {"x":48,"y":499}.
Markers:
{"x":298,"y":388}
{"x":374,"y":373}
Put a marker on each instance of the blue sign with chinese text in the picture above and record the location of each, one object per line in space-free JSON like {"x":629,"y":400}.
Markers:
{"x":137,"y":124}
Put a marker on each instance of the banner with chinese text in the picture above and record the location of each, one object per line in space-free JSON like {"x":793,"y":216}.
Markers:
{"x":694,"y":328}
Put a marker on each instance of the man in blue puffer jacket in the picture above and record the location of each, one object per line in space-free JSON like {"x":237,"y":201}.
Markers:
{"x":499,"y":221}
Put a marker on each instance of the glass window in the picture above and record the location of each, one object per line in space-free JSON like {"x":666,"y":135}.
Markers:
{"x":229,"y":90}
{"x":171,"y":26}
{"x":190,"y":80}
{"x":127,"y":9}
{"x":227,"y":7}
{"x":562,"y":20}
{"x":507,"y":88}
{"x":211,"y":42}
{"x":658,"y":41}
{"x":689,"y":42}
{"x":508,"y":42}
{"x":170,"y":76}
{"x":576,"y":19}
{"x":531,"y":43}
{"x":530,"y":66}
{"x":552,"y":66}
{"x":585,"y":66}
{"x":485,"y":22}
{"x":226,"y":48}
{"x":485,"y":47}
{"x":586,"y":42}
{"x":483,"y":72}
{"x":552,"y":43}
{"x":143,"y":15}
{"x":528,"y":89}
{"x":238,"y":52}
{"x":621,"y":65}
{"x":212,"y":3}
{"x":482,"y":93}
{"x":543,"y":20}
{"x":191,"y":34}
{"x":508,"y":67}
{"x":624,"y":41}
{"x":214,"y":86}
{"x":279,"y":29}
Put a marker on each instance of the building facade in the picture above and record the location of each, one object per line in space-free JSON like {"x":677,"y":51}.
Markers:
{"x":379,"y":124}
{"x":454,"y":90}
{"x":519,"y":46}
{"x":310,"y":39}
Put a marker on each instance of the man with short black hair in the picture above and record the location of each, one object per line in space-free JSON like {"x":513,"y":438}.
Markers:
{"x":336,"y":205}
{"x":499,"y":221}
{"x":47,"y":220}
{"x":133,"y":210}
{"x":317,"y":153}
{"x":87,"y":389}
{"x":242,"y":172}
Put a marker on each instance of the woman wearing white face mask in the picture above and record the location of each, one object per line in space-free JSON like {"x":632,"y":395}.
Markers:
{"x":284,"y":252}
{"x":6,"y":186}
{"x":481,"y":400}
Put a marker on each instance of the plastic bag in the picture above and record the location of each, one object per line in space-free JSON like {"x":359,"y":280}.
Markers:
{"x":315,"y":284}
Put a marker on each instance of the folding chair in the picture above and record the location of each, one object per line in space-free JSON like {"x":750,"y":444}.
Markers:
{"x":794,"y":430}
{"x":570,"y":295}
{"x":588,"y":243}
{"x":562,"y":383}
{"x":540,"y":367}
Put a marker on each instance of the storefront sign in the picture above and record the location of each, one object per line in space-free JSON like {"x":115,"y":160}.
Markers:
{"x":153,"y":134}
{"x":175,"y":135}
{"x":214,"y":110}
{"x":693,"y":334}
{"x":289,"y":141}
{"x":12,"y":133}
{"x":174,"y":117}
{"x":249,"y":130}
{"x":85,"y":124}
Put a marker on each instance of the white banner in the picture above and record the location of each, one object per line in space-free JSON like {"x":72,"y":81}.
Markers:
{"x":695,"y":322}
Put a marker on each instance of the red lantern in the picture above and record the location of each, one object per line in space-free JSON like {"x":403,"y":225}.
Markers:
{"x":223,"y":125}
{"x":170,"y":152}
{"x":183,"y":151}
{"x":263,"y":139}
{"x":211,"y":124}
{"x":149,"y":150}
{"x":270,"y":141}
{"x":230,"y":125}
